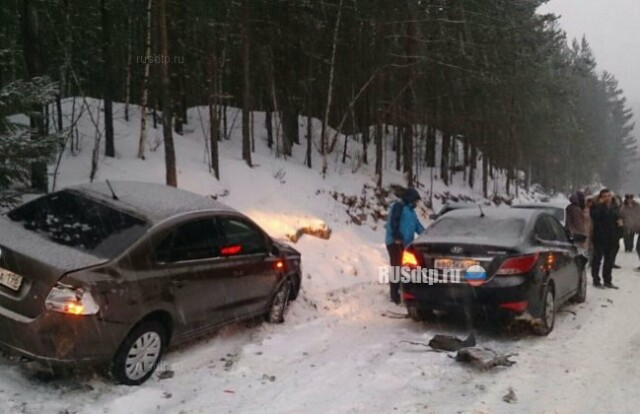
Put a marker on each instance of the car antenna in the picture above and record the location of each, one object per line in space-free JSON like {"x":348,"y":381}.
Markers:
{"x":113,"y":193}
{"x":481,"y":212}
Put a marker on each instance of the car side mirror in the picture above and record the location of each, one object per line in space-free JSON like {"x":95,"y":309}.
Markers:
{"x":569,"y":236}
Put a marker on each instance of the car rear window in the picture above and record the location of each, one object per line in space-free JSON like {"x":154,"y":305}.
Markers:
{"x":504,"y":229}
{"x":75,"y":220}
{"x":556,"y":212}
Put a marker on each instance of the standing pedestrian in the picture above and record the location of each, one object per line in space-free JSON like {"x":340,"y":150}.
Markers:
{"x":629,"y":212}
{"x":402,"y":225}
{"x":617,"y":203}
{"x":575,"y":219}
{"x":576,"y":224}
{"x":606,"y":223}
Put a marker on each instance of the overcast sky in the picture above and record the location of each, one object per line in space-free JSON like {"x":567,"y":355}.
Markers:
{"x":612,"y":28}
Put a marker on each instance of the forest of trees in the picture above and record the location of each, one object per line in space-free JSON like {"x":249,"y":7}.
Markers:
{"x":492,"y":77}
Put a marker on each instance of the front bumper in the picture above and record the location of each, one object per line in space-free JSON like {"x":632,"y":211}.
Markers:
{"x":59,"y":339}
{"x":488,"y":297}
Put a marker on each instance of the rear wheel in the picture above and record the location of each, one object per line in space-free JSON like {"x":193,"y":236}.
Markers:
{"x":418,"y":315}
{"x":280,"y":302}
{"x":544,"y":325}
{"x":581,"y":294}
{"x":139,"y":354}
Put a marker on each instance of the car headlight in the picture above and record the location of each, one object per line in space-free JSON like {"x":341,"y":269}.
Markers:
{"x":70,"y":300}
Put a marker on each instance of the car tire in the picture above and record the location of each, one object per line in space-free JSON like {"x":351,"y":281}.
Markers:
{"x":295,"y":288}
{"x":581,"y":294}
{"x":419,"y":315}
{"x":544,"y":325}
{"x":129,"y":366}
{"x":280,"y":302}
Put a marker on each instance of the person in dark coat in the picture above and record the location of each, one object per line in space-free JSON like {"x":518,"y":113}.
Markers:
{"x":617,"y":203}
{"x":606,"y":225}
{"x":628,"y":212}
{"x":402,"y":225}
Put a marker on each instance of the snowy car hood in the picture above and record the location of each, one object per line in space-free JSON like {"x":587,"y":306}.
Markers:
{"x":30,"y":244}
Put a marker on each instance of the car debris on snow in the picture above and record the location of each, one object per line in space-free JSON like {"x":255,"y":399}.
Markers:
{"x":451,"y":343}
{"x":510,"y":397}
{"x":483,"y":358}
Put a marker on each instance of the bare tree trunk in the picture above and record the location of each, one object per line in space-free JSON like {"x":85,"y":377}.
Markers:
{"x":407,"y":146}
{"x":325,"y":121}
{"x":110,"y":150}
{"x":246,"y":90}
{"x":309,"y":140}
{"x":269,"y":126}
{"x":127,"y":86}
{"x":472,"y":165}
{"x":32,"y":53}
{"x":379,"y":148}
{"x":444,"y":158}
{"x":365,"y":144}
{"x":214,"y":115}
{"x":169,"y":150}
{"x":59,"y":111}
{"x":145,"y":86}
{"x":397,"y":136}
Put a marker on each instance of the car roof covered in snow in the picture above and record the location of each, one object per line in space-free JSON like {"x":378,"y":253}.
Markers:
{"x":495,"y":212}
{"x":155,"y":202}
{"x":461,"y":204}
{"x":547,"y":204}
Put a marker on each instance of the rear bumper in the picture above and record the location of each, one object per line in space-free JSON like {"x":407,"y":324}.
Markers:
{"x":58,"y":339}
{"x":489,"y":297}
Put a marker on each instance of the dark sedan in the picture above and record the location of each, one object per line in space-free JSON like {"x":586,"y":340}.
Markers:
{"x":112,"y":274}
{"x":513,"y":261}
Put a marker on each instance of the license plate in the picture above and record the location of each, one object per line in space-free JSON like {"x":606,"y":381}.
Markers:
{"x":10,"y":279}
{"x":454,"y":264}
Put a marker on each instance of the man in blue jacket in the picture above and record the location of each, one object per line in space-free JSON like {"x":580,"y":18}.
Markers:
{"x":402,"y":225}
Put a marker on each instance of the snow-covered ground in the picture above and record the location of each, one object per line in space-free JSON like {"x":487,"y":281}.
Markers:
{"x":341,"y":349}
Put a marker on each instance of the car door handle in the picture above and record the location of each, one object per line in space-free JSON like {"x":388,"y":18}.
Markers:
{"x":177,"y":283}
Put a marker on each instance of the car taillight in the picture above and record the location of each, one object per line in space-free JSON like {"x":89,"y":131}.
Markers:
{"x":409,"y":259}
{"x":518,"y":265}
{"x":72,"y":301}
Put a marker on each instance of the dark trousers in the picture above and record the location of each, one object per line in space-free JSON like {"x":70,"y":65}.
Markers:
{"x":606,"y":254}
{"x":395,"y":259}
{"x":628,"y":240}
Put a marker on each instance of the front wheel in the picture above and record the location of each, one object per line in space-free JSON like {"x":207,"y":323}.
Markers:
{"x":544,"y":325}
{"x":138,"y":356}
{"x":280,"y":302}
{"x":581,"y":294}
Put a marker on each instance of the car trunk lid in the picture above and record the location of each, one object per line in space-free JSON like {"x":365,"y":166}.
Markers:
{"x":33,"y":265}
{"x":488,"y":256}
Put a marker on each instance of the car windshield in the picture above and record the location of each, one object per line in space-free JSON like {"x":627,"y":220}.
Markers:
{"x":72,"y":219}
{"x":504,"y":229}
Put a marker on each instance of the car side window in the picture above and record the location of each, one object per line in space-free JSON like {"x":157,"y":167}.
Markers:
{"x":543,"y":229}
{"x":241,"y":237}
{"x":195,"y":240}
{"x":558,"y":231}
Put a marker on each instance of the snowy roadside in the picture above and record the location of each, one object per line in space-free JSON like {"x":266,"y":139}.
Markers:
{"x":336,"y":352}
{"x":345,"y":357}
